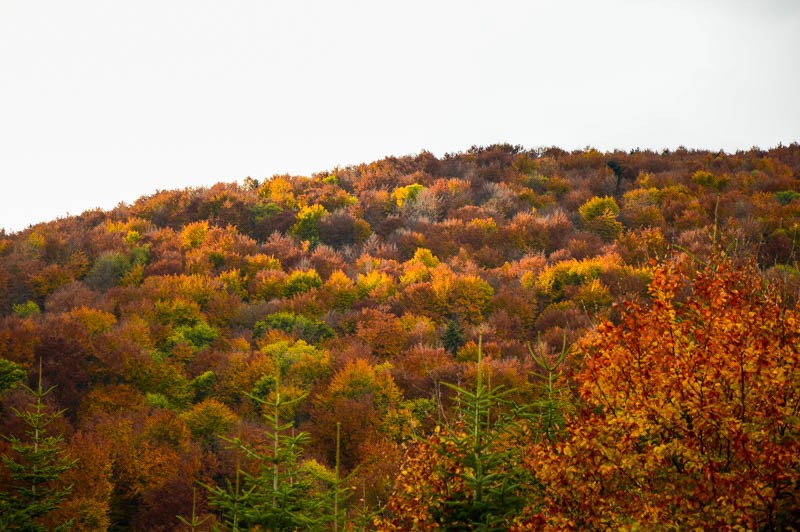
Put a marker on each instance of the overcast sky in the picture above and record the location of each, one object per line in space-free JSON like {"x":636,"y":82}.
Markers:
{"x":104,"y":101}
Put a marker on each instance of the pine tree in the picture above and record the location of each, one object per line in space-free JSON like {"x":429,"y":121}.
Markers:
{"x":34,"y":467}
{"x":280,"y":495}
{"x":453,"y":338}
{"x":548,"y":414}
{"x":10,"y":374}
{"x":231,"y":500}
{"x":195,"y":521}
{"x":486,"y":488}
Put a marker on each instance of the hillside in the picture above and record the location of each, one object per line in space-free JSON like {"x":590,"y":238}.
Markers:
{"x":203,"y":339}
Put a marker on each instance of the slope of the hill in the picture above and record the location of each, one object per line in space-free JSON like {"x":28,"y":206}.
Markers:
{"x":358,"y":292}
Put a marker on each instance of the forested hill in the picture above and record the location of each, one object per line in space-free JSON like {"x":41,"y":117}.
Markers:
{"x":502,"y":337}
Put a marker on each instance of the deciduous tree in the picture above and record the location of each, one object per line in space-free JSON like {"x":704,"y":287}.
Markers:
{"x":690,"y":416}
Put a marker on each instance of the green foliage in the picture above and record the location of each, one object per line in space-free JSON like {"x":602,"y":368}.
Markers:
{"x":27,"y":309}
{"x":140,"y":254}
{"x":10,"y":374}
{"x":709,"y":180}
{"x":295,"y":355}
{"x":300,"y":281}
{"x":785,"y":197}
{"x":552,"y":404}
{"x":203,"y":384}
{"x":178,"y":312}
{"x":261,"y":212}
{"x":250,"y":183}
{"x":165,"y":384}
{"x":311,"y":330}
{"x":487,"y":487}
{"x":132,"y":237}
{"x":209,"y":419}
{"x":307,"y":225}
{"x":280,"y":495}
{"x":299,"y":364}
{"x":194,"y":521}
{"x":375,"y":284}
{"x":453,"y":338}
{"x":593,"y":296}
{"x":597,"y":206}
{"x":468,"y":298}
{"x":600,"y":217}
{"x":35,"y":465}
{"x":157,"y":400}
{"x":199,"y":335}
{"x":572,"y":272}
{"x":205,"y":291}
{"x":108,"y":271}
{"x":194,"y":234}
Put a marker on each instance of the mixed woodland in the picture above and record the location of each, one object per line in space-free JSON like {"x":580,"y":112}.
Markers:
{"x":498,"y":339}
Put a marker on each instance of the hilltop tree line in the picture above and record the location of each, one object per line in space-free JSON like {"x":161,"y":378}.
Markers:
{"x":496,"y":339}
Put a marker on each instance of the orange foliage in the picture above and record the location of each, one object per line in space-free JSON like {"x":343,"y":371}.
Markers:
{"x":690,"y":412}
{"x":145,"y":319}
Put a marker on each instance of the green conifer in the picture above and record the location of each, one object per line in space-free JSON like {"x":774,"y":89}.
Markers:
{"x":486,"y":490}
{"x":280,"y":495}
{"x":453,"y":338}
{"x":35,"y":466}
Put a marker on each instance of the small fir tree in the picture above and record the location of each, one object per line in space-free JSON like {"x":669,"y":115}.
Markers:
{"x":34,"y":467}
{"x":549,"y":409}
{"x":453,"y":338}
{"x":280,"y":495}
{"x":486,"y":488}
{"x":195,"y":521}
{"x":468,"y":476}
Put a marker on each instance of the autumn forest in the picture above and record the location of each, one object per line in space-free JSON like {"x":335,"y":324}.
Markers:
{"x":497,"y":339}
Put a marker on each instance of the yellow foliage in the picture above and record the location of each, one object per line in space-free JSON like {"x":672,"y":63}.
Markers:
{"x":426,"y":257}
{"x":575,"y":272}
{"x":232,"y":282}
{"x":375,"y":284}
{"x":484,"y":225}
{"x":279,"y":191}
{"x":194,"y":234}
{"x":95,"y":321}
{"x":415,"y":272}
{"x":341,"y":289}
{"x":360,"y":379}
{"x":407,"y":193}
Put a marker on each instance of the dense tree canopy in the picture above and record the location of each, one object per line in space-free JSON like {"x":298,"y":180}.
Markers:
{"x":358,"y":317}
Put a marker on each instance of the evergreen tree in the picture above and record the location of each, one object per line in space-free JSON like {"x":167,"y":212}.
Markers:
{"x":195,"y":521}
{"x":487,"y":488}
{"x":10,"y":374}
{"x":549,"y":410}
{"x":35,"y":466}
{"x":231,"y":500}
{"x":453,"y":337}
{"x":280,"y":495}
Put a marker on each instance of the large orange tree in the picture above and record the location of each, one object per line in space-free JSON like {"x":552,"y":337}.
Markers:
{"x":691,"y":412}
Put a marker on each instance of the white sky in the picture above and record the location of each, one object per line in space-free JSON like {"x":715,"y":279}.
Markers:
{"x":104,"y":101}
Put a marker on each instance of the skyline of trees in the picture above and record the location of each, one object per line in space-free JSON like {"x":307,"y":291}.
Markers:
{"x":371,"y":308}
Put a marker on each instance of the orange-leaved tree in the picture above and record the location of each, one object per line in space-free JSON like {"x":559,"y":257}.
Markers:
{"x":690,"y":414}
